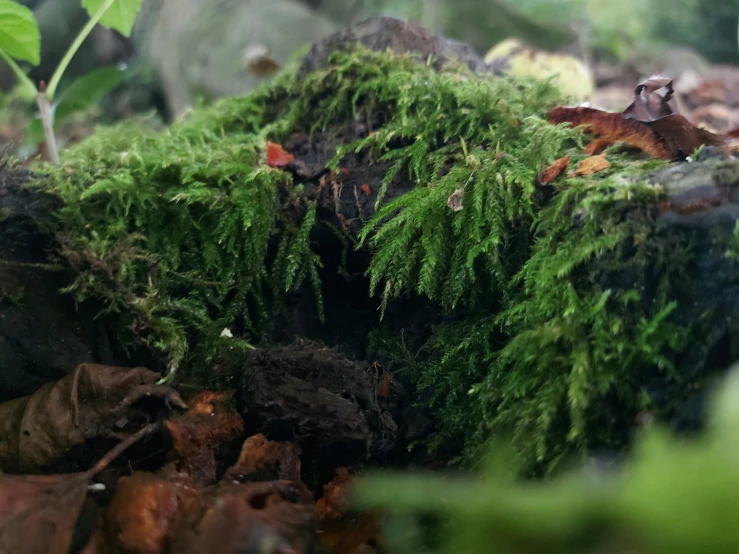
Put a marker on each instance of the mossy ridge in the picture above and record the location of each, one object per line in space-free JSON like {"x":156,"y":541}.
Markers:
{"x":178,"y":228}
{"x":209,"y":211}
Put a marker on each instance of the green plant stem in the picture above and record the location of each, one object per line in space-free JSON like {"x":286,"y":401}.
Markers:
{"x":44,"y":108}
{"x":72,"y":50}
{"x":22,"y":77}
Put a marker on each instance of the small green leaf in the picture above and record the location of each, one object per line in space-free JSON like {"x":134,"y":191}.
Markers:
{"x":120,"y":16}
{"x":86,"y":91}
{"x":19,"y":34}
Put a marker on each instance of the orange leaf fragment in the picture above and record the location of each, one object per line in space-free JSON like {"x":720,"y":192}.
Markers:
{"x":555,"y":170}
{"x":383,"y":384}
{"x":277,"y":156}
{"x":366,"y":189}
{"x":335,"y":497}
{"x":591,"y":165}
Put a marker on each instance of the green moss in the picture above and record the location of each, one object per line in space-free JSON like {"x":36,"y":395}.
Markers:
{"x":187,"y":232}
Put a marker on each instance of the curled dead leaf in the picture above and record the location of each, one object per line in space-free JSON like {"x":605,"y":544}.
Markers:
{"x":38,"y":513}
{"x":648,"y":124}
{"x":611,"y":127}
{"x":555,"y":170}
{"x":96,"y":401}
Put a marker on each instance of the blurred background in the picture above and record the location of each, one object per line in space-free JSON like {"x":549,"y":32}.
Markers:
{"x":184,"y":53}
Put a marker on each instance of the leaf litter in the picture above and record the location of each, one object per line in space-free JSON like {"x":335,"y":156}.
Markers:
{"x":649,"y":123}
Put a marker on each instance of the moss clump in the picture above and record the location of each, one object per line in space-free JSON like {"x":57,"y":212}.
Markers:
{"x":183,"y":233}
{"x":558,"y":300}
{"x":189,"y":231}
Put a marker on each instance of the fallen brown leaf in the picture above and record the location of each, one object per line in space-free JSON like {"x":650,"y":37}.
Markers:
{"x":683,"y":137}
{"x":277,"y":156}
{"x":648,"y":124}
{"x":591,"y":165}
{"x":96,"y":401}
{"x":38,"y":513}
{"x":610,"y":127}
{"x":555,"y":170}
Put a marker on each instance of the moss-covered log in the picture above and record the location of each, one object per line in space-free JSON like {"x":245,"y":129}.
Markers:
{"x":553,"y":315}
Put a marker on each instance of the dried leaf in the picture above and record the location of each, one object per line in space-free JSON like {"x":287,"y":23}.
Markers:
{"x":277,"y":156}
{"x":555,"y":170}
{"x":651,"y":100}
{"x":209,"y":423}
{"x":38,"y":513}
{"x":683,"y":138}
{"x":591,"y":165}
{"x":612,"y":127}
{"x":96,"y":401}
{"x":455,"y":200}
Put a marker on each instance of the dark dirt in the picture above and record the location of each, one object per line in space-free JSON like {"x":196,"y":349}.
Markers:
{"x":324,"y":402}
{"x":43,"y":335}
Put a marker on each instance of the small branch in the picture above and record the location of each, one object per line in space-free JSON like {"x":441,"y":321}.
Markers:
{"x":44,"y":108}
{"x":118,"y":449}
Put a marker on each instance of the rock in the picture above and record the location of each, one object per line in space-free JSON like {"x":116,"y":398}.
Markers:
{"x":196,"y":47}
{"x":399,"y":36}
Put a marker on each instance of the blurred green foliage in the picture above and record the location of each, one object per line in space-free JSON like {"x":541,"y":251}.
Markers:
{"x":624,"y":28}
{"x":672,"y":496}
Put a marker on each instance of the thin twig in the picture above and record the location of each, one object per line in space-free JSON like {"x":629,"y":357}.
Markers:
{"x":118,"y":449}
